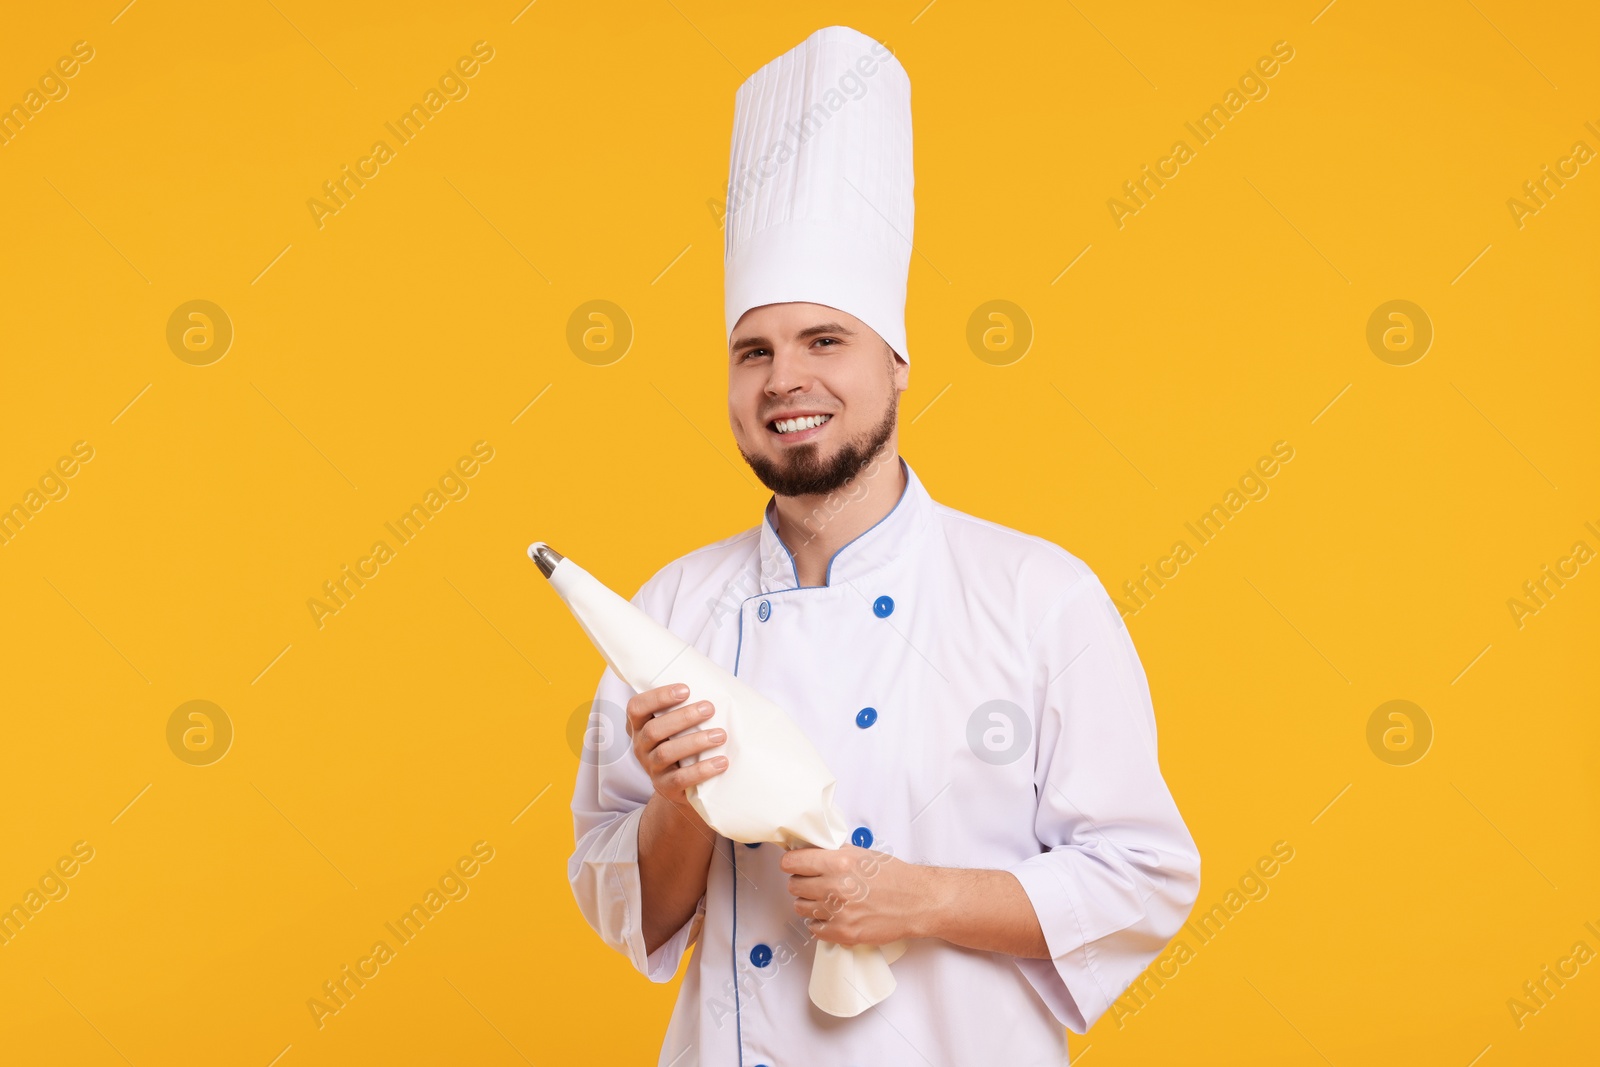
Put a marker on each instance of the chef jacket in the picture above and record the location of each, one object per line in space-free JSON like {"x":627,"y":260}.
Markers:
{"x":977,"y":696}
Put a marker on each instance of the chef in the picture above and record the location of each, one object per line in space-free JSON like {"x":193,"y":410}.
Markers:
{"x":972,"y":688}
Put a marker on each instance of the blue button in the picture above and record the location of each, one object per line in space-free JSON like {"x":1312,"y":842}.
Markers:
{"x":883,"y":607}
{"x":761,"y":955}
{"x":866,"y":717}
{"x":862,"y":838}
{"x":752,"y":844}
{"x":764,"y":611}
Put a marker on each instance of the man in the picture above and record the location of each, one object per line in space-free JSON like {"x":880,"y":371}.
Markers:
{"x":972,"y":688}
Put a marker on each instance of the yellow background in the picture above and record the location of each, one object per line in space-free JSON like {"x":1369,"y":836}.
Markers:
{"x":431,"y":310}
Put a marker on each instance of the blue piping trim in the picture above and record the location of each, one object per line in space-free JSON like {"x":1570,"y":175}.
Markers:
{"x":793,"y":566}
{"x":733,"y":853}
{"x":738,"y":1027}
{"x":827,"y":577}
{"x":733,"y":856}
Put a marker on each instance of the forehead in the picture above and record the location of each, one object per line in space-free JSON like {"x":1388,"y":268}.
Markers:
{"x":773,"y":322}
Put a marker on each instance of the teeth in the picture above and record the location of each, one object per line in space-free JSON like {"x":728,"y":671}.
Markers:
{"x":804,"y":423}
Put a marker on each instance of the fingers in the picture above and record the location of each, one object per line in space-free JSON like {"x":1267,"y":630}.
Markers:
{"x":675,"y":782}
{"x":647,"y":703}
{"x":807,"y":861}
{"x":665,"y":725}
{"x":806,"y":888}
{"x":658,"y":748}
{"x":813,"y":909}
{"x":671,"y":751}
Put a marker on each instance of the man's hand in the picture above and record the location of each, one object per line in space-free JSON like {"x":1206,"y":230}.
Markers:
{"x":675,"y":844}
{"x":658,"y":752}
{"x":856,"y":896}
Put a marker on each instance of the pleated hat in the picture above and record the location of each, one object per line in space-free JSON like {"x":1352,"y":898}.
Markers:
{"x":820,"y":205}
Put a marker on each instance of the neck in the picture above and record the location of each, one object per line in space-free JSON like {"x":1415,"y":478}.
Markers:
{"x":815,"y":526}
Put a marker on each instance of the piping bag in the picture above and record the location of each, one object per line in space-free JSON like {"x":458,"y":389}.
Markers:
{"x":776,"y":787}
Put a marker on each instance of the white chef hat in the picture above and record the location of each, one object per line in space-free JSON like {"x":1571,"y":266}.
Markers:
{"x":820,"y":204}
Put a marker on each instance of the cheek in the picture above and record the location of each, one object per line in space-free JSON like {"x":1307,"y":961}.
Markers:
{"x":742,"y":415}
{"x":865,"y":399}
{"x":748,"y":427}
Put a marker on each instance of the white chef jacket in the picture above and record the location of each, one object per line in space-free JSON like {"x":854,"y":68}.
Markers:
{"x":978,"y":698}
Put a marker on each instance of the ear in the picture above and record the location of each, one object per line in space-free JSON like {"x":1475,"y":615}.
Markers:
{"x":899,"y":371}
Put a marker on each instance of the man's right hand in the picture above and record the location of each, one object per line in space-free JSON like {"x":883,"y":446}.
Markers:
{"x":658,"y":752}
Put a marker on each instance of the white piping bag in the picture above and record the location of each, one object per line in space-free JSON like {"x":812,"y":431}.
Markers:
{"x":776,"y":788}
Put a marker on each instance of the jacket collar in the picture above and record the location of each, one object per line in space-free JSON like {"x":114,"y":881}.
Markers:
{"x":882,"y":543}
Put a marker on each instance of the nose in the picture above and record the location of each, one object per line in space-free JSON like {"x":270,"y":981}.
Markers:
{"x":789,"y":372}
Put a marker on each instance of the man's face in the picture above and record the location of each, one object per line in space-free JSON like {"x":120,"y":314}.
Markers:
{"x":789,"y":361}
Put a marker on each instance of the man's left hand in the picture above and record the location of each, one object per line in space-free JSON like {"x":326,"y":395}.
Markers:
{"x":857,"y":896}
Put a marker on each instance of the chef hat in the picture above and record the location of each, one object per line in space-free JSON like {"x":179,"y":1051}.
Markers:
{"x":820,"y":203}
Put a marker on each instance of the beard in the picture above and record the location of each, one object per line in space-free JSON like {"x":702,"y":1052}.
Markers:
{"x":803,"y":472}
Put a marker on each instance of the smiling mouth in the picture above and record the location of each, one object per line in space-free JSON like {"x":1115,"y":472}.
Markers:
{"x":801,"y":428}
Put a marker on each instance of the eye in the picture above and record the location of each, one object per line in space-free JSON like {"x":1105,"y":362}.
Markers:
{"x":831,"y":340}
{"x":750,"y":353}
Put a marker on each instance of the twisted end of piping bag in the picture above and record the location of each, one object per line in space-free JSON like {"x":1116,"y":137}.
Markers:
{"x":544,"y":557}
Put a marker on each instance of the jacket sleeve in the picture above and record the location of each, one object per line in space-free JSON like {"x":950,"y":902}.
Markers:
{"x":607,"y":805}
{"x":1118,"y":870}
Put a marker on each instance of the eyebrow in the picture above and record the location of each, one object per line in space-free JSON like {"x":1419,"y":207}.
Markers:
{"x":810,"y":331}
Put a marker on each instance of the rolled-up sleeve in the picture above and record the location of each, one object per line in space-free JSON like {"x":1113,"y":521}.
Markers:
{"x":608,"y":803}
{"x":1118,"y":871}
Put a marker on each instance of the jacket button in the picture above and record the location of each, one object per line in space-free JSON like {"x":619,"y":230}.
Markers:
{"x":862,"y":838}
{"x":883,"y":607}
{"x":761,"y":955}
{"x":764,"y":611}
{"x":866,"y":717}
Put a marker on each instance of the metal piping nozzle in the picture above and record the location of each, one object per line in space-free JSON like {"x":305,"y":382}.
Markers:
{"x":545,"y":556}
